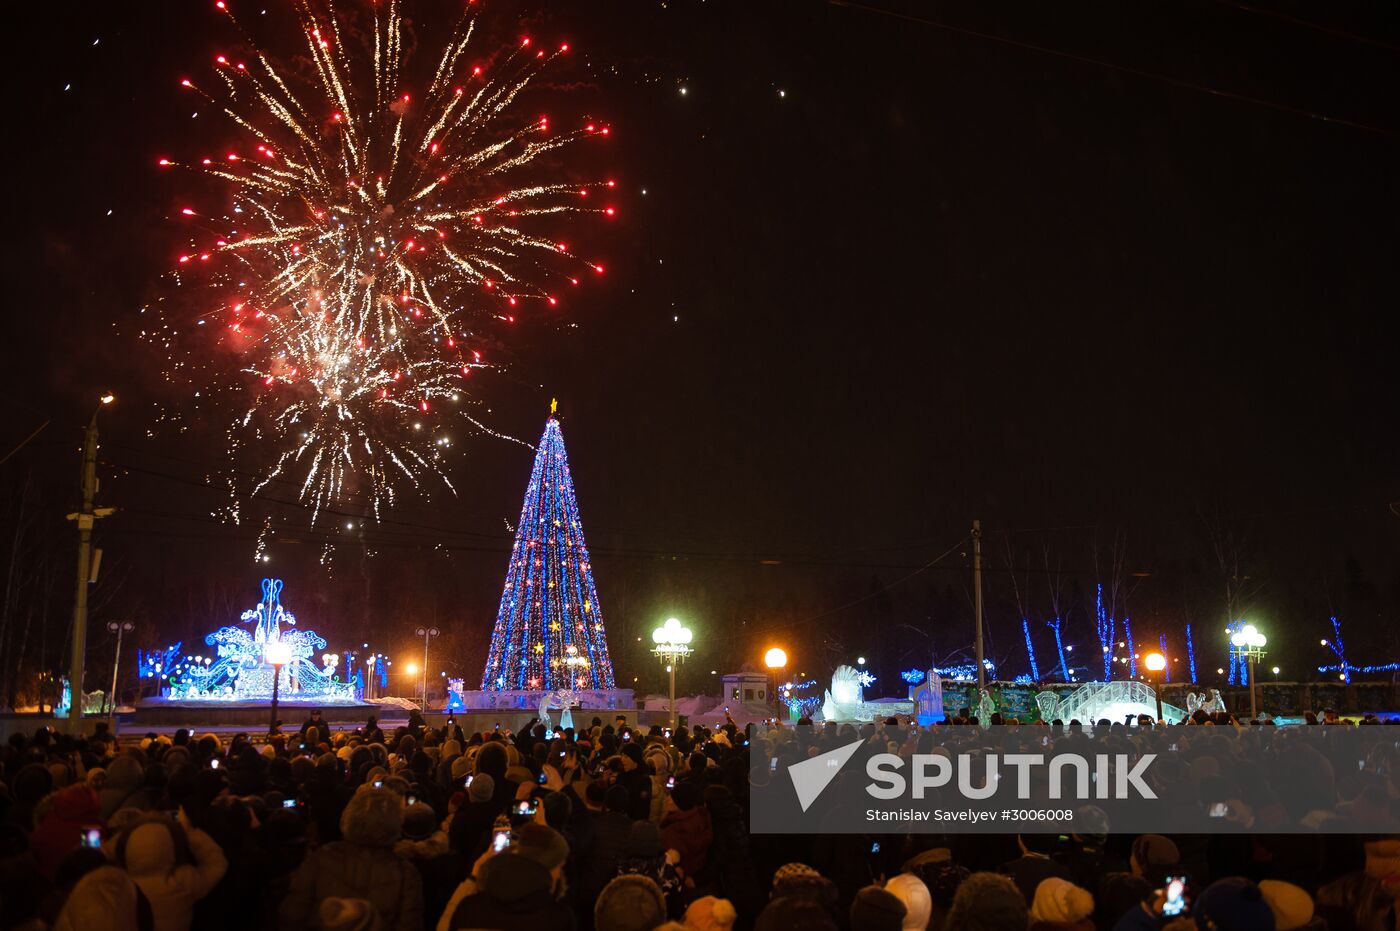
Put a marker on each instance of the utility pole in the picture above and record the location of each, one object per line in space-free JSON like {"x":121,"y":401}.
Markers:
{"x":977,"y":596}
{"x":85,"y":518}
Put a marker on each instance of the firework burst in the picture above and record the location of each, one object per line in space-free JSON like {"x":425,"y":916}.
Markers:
{"x":372,"y":231}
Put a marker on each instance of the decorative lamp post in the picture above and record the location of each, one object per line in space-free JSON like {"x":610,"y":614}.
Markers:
{"x":672,"y":645}
{"x":1155,"y":663}
{"x":775,"y":659}
{"x":118,"y":628}
{"x":1249,"y":643}
{"x":276,"y":654}
{"x":427,"y":633}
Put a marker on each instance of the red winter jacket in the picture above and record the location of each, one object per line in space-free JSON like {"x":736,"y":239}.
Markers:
{"x":689,"y":833}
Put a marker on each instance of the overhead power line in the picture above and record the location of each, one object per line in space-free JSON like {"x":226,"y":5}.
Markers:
{"x":1123,"y":69}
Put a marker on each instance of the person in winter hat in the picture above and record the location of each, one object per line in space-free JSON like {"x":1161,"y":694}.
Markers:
{"x":629,"y":903}
{"x":104,"y":900}
{"x":1291,"y":905}
{"x":73,"y":810}
{"x":471,"y":825}
{"x":708,"y":913}
{"x":644,"y":856}
{"x":124,"y":778}
{"x":918,"y":903}
{"x":173,"y":864}
{"x":685,"y":827}
{"x":874,"y":909}
{"x":1233,"y":904}
{"x":362,"y":864}
{"x":1060,"y":905}
{"x":987,"y":902}
{"x":420,"y":839}
{"x":660,"y":761}
{"x":521,"y":888}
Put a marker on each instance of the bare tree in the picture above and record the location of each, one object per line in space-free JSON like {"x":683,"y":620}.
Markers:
{"x":1054,"y":580}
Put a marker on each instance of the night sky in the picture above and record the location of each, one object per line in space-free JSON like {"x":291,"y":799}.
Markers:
{"x":873,"y":276}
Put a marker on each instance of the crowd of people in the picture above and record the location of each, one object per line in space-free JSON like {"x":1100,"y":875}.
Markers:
{"x":619,"y":828}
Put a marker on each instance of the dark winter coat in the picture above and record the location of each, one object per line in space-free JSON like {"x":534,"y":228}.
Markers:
{"x":354,"y":871}
{"x":513,"y":893}
{"x":611,"y":832}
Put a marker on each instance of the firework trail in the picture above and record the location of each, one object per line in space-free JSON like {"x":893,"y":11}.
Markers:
{"x":371,"y":229}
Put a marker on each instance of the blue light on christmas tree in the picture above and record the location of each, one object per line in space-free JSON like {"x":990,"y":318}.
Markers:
{"x":549,"y":628}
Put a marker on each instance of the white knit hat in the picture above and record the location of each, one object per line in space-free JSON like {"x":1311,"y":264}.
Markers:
{"x":918,"y":903}
{"x":1058,"y":900}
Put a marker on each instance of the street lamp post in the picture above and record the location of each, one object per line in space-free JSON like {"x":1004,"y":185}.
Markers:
{"x":427,"y":633}
{"x":118,"y":628}
{"x":672,"y":645}
{"x":1249,"y":643}
{"x":85,"y":519}
{"x":277,"y":654}
{"x":775,"y":659}
{"x":1155,"y":663}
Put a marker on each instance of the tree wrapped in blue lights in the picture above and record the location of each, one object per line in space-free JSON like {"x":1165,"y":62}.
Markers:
{"x":1030,"y":649}
{"x":1104,"y":627}
{"x":1339,"y":650}
{"x":1132,"y":648}
{"x":1239,"y":668}
{"x":1191,"y":653}
{"x":1059,"y":647}
{"x":549,"y":628}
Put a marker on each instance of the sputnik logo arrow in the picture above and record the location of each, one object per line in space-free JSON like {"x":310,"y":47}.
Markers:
{"x":812,"y":776}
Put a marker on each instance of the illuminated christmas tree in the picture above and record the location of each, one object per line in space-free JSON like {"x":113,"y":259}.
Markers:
{"x":549,"y":628}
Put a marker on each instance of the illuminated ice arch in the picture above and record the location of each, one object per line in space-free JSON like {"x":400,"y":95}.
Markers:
{"x":1111,"y":701}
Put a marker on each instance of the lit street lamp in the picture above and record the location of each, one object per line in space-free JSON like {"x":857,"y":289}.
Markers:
{"x":672,"y":645}
{"x":775,"y":659}
{"x":276,"y":654}
{"x":1155,"y":663}
{"x":427,"y":633}
{"x":1249,"y":643}
{"x":118,"y":628}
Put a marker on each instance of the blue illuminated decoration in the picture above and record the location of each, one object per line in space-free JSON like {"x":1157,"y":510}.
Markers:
{"x":1167,"y":669}
{"x":1104,"y":626}
{"x":1132,"y":650}
{"x":454,"y":695}
{"x":1023,"y":679}
{"x":1339,"y":650}
{"x":966,"y":672}
{"x":156,"y":664}
{"x":1030,"y":650}
{"x":239,"y":672}
{"x":549,"y":627}
{"x":913,"y":676}
{"x":1191,"y":654}
{"x":1059,"y":647}
{"x":1348,"y":670}
{"x":1239,"y":667}
{"x":802,"y":698}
